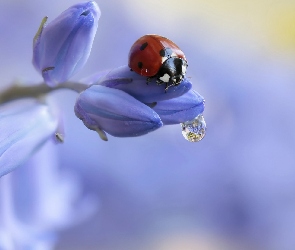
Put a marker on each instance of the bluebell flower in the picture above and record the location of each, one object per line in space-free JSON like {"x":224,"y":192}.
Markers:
{"x":117,"y":99}
{"x":116,"y":112}
{"x":62,"y":47}
{"x":25,"y":125}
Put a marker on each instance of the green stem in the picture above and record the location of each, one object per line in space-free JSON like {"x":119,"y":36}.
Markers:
{"x":18,"y":91}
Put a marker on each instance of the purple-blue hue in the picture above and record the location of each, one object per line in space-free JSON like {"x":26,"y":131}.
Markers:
{"x":115,"y":112}
{"x":39,"y":199}
{"x":238,"y":181}
{"x":136,"y":85}
{"x":117,"y":97}
{"x":25,"y":125}
{"x":63,"y":46}
{"x":180,"y":109}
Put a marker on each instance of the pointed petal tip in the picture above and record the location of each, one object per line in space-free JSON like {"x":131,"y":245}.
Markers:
{"x":101,"y":134}
{"x":90,"y":7}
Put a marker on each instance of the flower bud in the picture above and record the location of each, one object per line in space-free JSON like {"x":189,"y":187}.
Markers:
{"x":25,"y":125}
{"x":62,"y":47}
{"x":180,"y":109}
{"x":115,"y":112}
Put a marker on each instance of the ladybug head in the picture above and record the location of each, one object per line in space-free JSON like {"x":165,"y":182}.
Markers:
{"x":172,"y":71}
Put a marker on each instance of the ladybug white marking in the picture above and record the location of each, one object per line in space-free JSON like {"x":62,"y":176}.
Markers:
{"x":184,"y":69}
{"x":165,"y":78}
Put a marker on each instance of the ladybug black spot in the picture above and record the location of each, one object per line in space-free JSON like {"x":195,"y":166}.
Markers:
{"x":139,"y":64}
{"x":143,"y":46}
{"x":162,"y":53}
{"x":167,"y":52}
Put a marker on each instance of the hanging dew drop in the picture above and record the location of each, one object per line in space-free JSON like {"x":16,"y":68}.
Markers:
{"x":195,"y":129}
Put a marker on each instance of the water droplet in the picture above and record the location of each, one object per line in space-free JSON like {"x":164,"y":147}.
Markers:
{"x":195,"y":129}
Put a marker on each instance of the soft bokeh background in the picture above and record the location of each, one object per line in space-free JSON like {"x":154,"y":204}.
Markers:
{"x":233,"y":190}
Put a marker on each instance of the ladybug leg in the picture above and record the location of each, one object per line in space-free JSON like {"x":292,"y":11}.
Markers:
{"x":167,"y":87}
{"x":170,"y":85}
{"x":159,"y":82}
{"x":148,"y":80}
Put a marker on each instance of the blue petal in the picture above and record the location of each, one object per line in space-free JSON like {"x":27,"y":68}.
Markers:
{"x":63,"y":46}
{"x":180,"y":109}
{"x":115,"y":112}
{"x":136,"y":85}
{"x":25,"y":125}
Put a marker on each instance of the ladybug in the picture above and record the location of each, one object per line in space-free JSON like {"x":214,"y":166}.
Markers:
{"x":157,"y":56}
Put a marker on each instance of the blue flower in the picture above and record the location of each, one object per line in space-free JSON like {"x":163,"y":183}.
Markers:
{"x":116,"y":112}
{"x":121,"y":103}
{"x":62,"y":47}
{"x":25,"y":125}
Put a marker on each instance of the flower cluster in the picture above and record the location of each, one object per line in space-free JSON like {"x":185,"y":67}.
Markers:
{"x":119,"y":102}
{"x":122,"y":104}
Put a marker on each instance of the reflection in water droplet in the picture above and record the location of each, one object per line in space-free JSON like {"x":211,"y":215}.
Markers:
{"x":195,"y":129}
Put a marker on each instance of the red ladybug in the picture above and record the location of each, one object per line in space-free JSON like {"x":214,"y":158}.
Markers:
{"x":157,"y":56}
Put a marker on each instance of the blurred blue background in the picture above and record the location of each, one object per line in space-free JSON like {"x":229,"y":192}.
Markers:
{"x":233,"y":190}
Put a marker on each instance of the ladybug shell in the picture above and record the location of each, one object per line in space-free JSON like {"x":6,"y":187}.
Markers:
{"x":148,"y":53}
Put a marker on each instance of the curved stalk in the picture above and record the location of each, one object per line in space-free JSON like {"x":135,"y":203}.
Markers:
{"x":17,"y":91}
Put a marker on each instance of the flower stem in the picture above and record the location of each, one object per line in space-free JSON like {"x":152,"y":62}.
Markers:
{"x":17,"y":91}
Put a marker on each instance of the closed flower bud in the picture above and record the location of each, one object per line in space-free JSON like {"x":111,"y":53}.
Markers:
{"x":115,"y":112}
{"x":180,"y":109}
{"x":25,"y":126}
{"x":62,"y":47}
